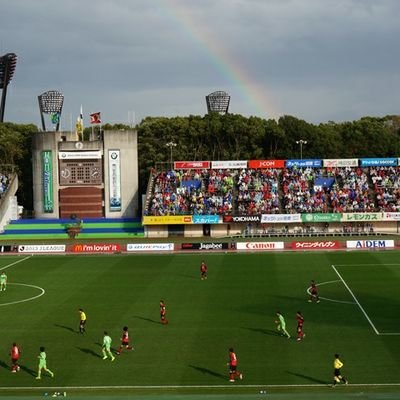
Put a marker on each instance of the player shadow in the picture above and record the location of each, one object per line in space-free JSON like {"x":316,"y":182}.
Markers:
{"x":89,"y":351}
{"x":68,"y":328}
{"x":309,"y":378}
{"x":146,"y":319}
{"x":4,"y":365}
{"x":208,"y":371}
{"x":28,"y":370}
{"x":270,"y":332}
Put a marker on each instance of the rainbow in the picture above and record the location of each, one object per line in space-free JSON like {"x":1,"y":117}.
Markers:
{"x":251,"y":91}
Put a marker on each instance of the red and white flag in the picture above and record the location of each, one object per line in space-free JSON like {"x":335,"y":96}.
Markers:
{"x":95,"y":118}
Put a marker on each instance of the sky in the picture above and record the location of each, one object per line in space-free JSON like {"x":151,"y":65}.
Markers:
{"x":318,"y":60}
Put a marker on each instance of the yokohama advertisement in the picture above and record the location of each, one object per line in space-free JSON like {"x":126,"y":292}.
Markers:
{"x":96,"y":248}
{"x":332,"y":244}
{"x":241,"y":218}
{"x":266,"y":164}
{"x":260,"y":246}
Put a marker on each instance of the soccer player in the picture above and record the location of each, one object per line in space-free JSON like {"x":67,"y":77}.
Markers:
{"x":300,"y":322}
{"x":281,"y":325}
{"x":203,"y":270}
{"x":163,"y":313}
{"x":313,"y":292}
{"x":124,"y":341}
{"x":106,"y":349}
{"x":82,"y":321}
{"x":42,"y":364}
{"x":337,"y":376}
{"x":3,"y":281}
{"x":15,"y":353}
{"x":233,"y":361}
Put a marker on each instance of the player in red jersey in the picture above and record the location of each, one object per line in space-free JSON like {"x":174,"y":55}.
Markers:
{"x":313,"y":292}
{"x":163,"y":313}
{"x":233,"y":361}
{"x":124,"y":341}
{"x":203,"y":270}
{"x":15,"y":353}
{"x":300,"y":322}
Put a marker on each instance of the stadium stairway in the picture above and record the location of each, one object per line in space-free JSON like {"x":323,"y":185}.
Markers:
{"x":91,"y":228}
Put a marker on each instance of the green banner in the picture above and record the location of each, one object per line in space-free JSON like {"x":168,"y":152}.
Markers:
{"x":320,"y":217}
{"x":47,"y":168}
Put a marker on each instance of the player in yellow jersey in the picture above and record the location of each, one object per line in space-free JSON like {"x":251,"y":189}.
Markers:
{"x":82,"y":321}
{"x":337,"y":375}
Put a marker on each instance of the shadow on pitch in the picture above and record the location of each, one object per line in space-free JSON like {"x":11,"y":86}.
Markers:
{"x":208,"y":371}
{"x":146,"y":319}
{"x":68,"y":328}
{"x":89,"y":351}
{"x":308,"y":378}
{"x":28,"y":370}
{"x":270,"y":332}
{"x":4,"y":365}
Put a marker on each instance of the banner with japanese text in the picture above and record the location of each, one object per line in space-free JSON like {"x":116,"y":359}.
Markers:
{"x":47,"y":177}
{"x":362,"y":217}
{"x":114,"y":168}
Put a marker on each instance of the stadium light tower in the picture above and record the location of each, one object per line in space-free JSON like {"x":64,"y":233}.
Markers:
{"x":218,"y":102}
{"x":171,"y":145}
{"x":51,"y":102}
{"x":301,"y":142}
{"x":8,"y":63}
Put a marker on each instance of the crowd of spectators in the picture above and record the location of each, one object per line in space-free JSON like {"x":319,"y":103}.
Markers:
{"x":300,"y":195}
{"x":192,"y":192}
{"x":351,"y":192}
{"x":272,"y":191}
{"x":386,"y":182}
{"x":258,"y":191}
{"x":4,"y":182}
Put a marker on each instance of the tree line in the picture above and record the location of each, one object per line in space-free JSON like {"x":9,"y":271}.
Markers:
{"x":224,"y":137}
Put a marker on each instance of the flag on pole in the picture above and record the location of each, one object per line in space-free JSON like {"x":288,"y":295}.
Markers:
{"x":79,"y":125}
{"x":95,"y":118}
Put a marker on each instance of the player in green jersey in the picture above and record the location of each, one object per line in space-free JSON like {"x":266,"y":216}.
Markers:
{"x":3,"y":281}
{"x":281,"y":325}
{"x":107,"y":347}
{"x":42,"y":364}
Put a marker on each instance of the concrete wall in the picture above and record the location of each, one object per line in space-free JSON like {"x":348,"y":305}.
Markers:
{"x":124,"y":141}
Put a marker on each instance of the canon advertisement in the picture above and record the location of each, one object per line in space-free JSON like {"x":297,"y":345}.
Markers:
{"x":260,"y":246}
{"x":205,"y":246}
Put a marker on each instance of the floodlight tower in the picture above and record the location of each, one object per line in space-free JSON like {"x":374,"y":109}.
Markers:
{"x":51,"y":102}
{"x":8,"y":63}
{"x":218,"y":102}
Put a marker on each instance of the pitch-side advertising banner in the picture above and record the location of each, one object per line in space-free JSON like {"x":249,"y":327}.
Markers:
{"x":377,"y":162}
{"x":114,"y":168}
{"x":47,"y":177}
{"x":323,"y":245}
{"x":321,"y":217}
{"x":241,"y":218}
{"x":303,"y":163}
{"x":150,"y":247}
{"x":167,"y":220}
{"x":205,"y":219}
{"x":369,"y":244}
{"x":96,"y":248}
{"x":391,"y":216}
{"x":351,"y":162}
{"x":255,"y":164}
{"x":192,"y":164}
{"x":260,"y":246}
{"x":41,"y":248}
{"x":228,"y":164}
{"x":362,"y":217}
{"x":280,"y":218}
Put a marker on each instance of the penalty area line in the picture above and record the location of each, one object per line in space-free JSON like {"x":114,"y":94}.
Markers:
{"x":355,"y":299}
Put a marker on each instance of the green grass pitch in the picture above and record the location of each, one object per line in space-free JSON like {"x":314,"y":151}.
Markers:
{"x":358,"y":318}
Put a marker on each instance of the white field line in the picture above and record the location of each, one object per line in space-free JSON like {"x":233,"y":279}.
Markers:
{"x":365,"y":265}
{"x":42,"y":292}
{"x":355,"y":299}
{"x":14,"y":263}
{"x":328,"y":299}
{"x":160,"y":387}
